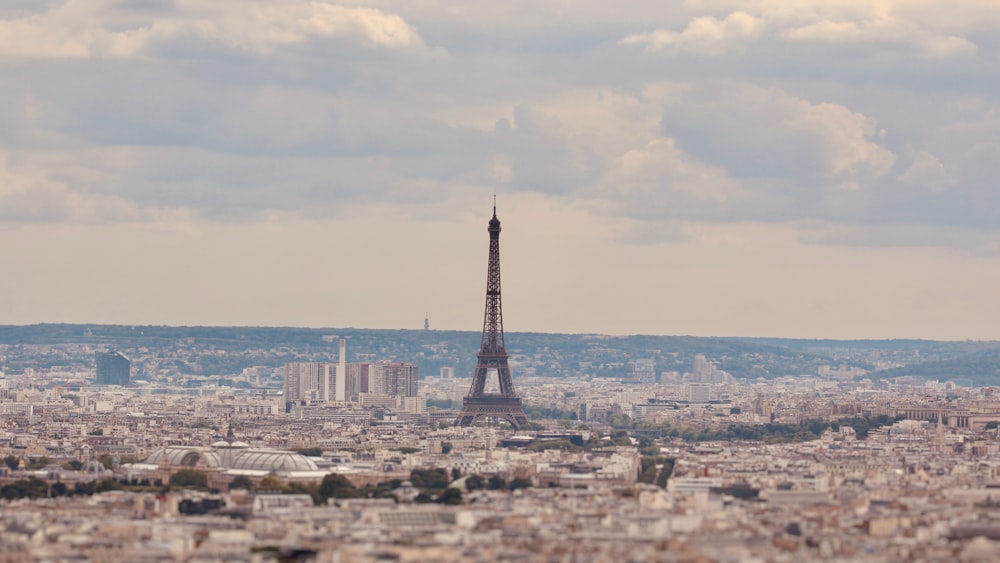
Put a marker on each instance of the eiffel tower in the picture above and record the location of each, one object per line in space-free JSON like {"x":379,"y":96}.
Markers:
{"x":479,"y":404}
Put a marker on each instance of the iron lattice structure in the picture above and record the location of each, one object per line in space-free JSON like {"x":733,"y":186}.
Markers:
{"x":479,"y":404}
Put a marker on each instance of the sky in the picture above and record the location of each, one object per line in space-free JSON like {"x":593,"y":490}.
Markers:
{"x":787,"y":168}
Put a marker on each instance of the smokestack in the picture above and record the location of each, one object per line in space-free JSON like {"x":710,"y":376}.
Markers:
{"x":342,"y":372}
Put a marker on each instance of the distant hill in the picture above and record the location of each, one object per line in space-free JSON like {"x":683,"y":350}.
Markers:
{"x":214,"y":351}
{"x":981,"y":369}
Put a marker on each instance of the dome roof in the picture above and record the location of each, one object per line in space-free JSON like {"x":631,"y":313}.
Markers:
{"x":232,"y":455}
{"x":186,"y":456}
{"x":272,"y":460}
{"x":230,"y":445}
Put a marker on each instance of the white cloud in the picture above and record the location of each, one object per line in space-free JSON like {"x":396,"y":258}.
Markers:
{"x":848,"y":137}
{"x":754,"y":131}
{"x":579,"y":118}
{"x":830,"y":21}
{"x":704,"y":34}
{"x":28,"y":194}
{"x":101,"y":28}
{"x":646,"y":177}
{"x":925,"y":170}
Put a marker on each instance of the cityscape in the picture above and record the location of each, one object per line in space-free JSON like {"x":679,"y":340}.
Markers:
{"x":746,"y":253}
{"x":368,"y":461}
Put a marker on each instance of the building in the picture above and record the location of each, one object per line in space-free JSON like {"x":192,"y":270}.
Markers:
{"x":357,"y":379}
{"x":309,"y":382}
{"x":705,"y":371}
{"x":644,"y":370}
{"x":699,"y":393}
{"x":701,"y":368}
{"x":230,"y":458}
{"x":304,"y":381}
{"x":113,"y":368}
{"x":394,"y":378}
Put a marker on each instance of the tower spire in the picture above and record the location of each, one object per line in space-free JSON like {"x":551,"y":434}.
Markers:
{"x":492,"y":357}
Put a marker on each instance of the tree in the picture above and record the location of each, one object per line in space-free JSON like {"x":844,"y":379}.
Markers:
{"x":109,"y":484}
{"x":335,"y":485}
{"x":311,"y":489}
{"x":188,"y":479}
{"x":73,"y":465}
{"x":617,"y":420}
{"x":519,"y":483}
{"x":446,"y":448}
{"x":474,"y":483}
{"x":271,"y":483}
{"x":12,"y":462}
{"x":456,"y":473}
{"x":25,"y":488}
{"x":84,"y":488}
{"x":310,"y":452}
{"x":450,"y":495}
{"x":38,"y":463}
{"x":429,"y":478}
{"x":241,"y":482}
{"x":108,"y":461}
{"x":496,"y":483}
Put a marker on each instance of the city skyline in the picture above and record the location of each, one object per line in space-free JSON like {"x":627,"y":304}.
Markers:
{"x":715,"y":169}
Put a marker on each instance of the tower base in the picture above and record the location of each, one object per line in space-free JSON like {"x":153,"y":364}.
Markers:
{"x":475,"y":409}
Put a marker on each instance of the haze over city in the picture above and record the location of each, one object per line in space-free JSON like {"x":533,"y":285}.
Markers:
{"x":764,"y":168}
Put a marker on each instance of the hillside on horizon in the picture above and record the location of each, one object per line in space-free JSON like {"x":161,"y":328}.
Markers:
{"x":219,"y":351}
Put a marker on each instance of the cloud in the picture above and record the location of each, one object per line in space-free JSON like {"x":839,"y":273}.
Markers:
{"x":926,"y":170}
{"x":661,"y":180}
{"x":28,"y":195}
{"x":979,"y":242}
{"x":830,"y":21}
{"x":80,"y":29}
{"x":767,"y":132}
{"x":233,"y":113}
{"x":705,"y":35}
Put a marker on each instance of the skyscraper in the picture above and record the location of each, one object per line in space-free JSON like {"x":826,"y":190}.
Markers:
{"x":113,"y":368}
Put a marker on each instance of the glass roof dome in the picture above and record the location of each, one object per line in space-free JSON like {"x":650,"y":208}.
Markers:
{"x":186,"y":456}
{"x":272,"y":460}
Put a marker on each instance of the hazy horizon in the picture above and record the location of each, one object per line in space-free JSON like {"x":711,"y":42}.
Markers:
{"x":479,"y":330}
